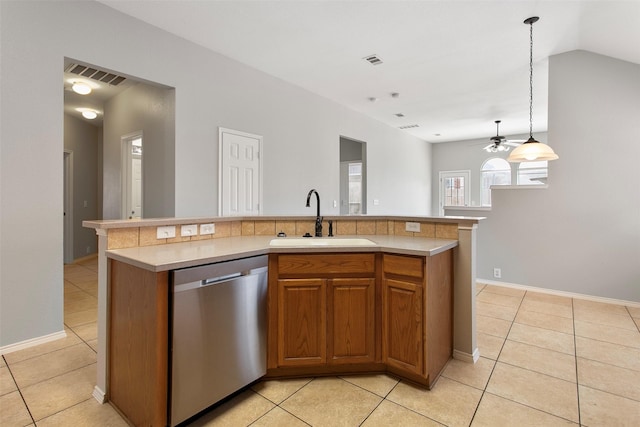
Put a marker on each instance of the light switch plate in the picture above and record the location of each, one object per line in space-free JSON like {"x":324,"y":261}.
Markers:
{"x":166,"y":232}
{"x":207,"y":229}
{"x":188,"y":230}
{"x":412,"y":226}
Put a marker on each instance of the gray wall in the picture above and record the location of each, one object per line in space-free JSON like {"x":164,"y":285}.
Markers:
{"x":301,"y":139}
{"x":83,"y":139}
{"x":149,"y":109}
{"x":582,"y":233}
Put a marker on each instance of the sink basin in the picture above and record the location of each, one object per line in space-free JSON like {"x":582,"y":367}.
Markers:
{"x":319,"y":241}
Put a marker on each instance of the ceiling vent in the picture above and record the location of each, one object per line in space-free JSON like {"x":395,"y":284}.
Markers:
{"x":373,"y":59}
{"x":409,"y":126}
{"x":95,"y":74}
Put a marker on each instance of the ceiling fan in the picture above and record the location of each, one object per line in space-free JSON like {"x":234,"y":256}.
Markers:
{"x":499,"y":143}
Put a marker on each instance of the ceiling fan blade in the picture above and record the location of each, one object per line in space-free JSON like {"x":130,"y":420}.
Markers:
{"x":488,"y":146}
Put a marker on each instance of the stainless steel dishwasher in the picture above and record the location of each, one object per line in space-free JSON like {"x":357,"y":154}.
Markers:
{"x":218,"y":334}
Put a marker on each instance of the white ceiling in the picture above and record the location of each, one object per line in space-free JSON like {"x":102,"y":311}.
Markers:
{"x":457,"y":65}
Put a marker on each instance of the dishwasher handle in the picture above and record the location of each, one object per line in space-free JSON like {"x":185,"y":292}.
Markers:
{"x":214,"y":280}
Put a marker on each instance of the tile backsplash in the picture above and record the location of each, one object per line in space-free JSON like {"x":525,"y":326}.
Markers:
{"x":129,"y":237}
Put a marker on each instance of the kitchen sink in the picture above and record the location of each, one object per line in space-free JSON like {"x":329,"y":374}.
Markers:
{"x":319,"y":241}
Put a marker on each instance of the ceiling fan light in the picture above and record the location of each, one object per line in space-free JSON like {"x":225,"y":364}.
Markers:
{"x":531,"y":151}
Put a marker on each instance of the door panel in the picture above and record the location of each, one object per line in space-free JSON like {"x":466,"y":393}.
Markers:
{"x":240,"y":177}
{"x":351,"y":320}
{"x":302,"y":307}
{"x":402,"y":325}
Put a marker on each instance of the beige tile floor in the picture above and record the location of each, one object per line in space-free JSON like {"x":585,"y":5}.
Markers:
{"x":545,"y":361}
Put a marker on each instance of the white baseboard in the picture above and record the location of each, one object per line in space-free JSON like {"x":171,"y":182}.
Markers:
{"x":560,"y":293}
{"x":32,"y":342}
{"x":99,"y":395}
{"x":466,"y":357}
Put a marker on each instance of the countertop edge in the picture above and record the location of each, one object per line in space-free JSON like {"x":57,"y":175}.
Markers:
{"x":156,"y":222}
{"x":136,"y":256}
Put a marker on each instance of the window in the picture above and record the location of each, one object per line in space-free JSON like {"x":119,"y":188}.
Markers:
{"x":532,"y":173}
{"x":495,"y":171}
{"x":454,"y":188}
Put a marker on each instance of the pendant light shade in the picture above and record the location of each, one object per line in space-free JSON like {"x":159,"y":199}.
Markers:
{"x":531,"y":150}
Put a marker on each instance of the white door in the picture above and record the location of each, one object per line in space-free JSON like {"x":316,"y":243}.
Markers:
{"x":240,"y":191}
{"x":132,"y":176}
{"x":68,"y":206}
{"x":136,"y":186}
{"x":454,"y":189}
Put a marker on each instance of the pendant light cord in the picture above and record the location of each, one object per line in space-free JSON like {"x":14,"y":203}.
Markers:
{"x":531,"y":80}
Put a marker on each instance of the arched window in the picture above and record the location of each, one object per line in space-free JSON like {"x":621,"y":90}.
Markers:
{"x":532,"y":173}
{"x":495,"y":171}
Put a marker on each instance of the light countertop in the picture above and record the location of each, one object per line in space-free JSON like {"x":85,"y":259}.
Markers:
{"x":189,"y":254}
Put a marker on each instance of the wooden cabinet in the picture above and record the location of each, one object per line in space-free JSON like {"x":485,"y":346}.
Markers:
{"x":402,"y":326}
{"x":302,"y":332}
{"x":322,"y":310}
{"x":360,"y":312}
{"x":417,"y":331}
{"x":139,"y":343}
{"x":351,"y":320}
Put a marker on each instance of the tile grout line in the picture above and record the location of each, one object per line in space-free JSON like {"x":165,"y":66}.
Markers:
{"x":19,"y":391}
{"x":575,"y":350}
{"x":484,"y":390}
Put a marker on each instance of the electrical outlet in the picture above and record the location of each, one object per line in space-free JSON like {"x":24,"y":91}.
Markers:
{"x":497,"y":273}
{"x":188,"y":230}
{"x":166,"y":232}
{"x":207,"y":229}
{"x":412,"y":226}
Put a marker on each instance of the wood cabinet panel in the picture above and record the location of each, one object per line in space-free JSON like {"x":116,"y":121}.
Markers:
{"x":138,"y":343}
{"x":325,"y":264}
{"x":301,"y":322}
{"x":402,"y":330}
{"x":403,"y":265}
{"x":351,"y":321}
{"x":439,"y":312}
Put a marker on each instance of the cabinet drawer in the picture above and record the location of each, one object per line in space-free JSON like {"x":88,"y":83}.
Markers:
{"x":403,"y":265}
{"x":326,"y":264}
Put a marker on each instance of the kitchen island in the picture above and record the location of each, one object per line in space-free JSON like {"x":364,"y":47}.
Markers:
{"x":397,"y":276}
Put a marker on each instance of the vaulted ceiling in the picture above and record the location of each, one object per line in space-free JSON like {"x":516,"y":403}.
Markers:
{"x":456,"y":66}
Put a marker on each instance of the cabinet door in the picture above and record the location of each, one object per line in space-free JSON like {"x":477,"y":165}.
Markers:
{"x":302,"y":306}
{"x":402,"y":326}
{"x":351,"y":321}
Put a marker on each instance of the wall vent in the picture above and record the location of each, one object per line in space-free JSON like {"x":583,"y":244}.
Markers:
{"x":409,"y":126}
{"x":373,"y":59}
{"x":95,"y":74}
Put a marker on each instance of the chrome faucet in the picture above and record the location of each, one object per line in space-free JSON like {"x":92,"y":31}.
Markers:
{"x":318,"y":217}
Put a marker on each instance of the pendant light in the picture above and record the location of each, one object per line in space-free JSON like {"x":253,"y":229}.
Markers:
{"x":531,"y":150}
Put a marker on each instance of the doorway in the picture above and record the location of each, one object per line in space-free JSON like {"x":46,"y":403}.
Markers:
{"x":353,"y":177}
{"x":132,"y":176}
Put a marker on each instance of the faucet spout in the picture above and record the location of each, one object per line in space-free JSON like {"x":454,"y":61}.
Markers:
{"x":318,"y":217}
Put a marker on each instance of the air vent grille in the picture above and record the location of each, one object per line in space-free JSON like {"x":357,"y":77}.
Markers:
{"x":373,"y":59}
{"x":409,"y":126}
{"x":95,"y":74}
